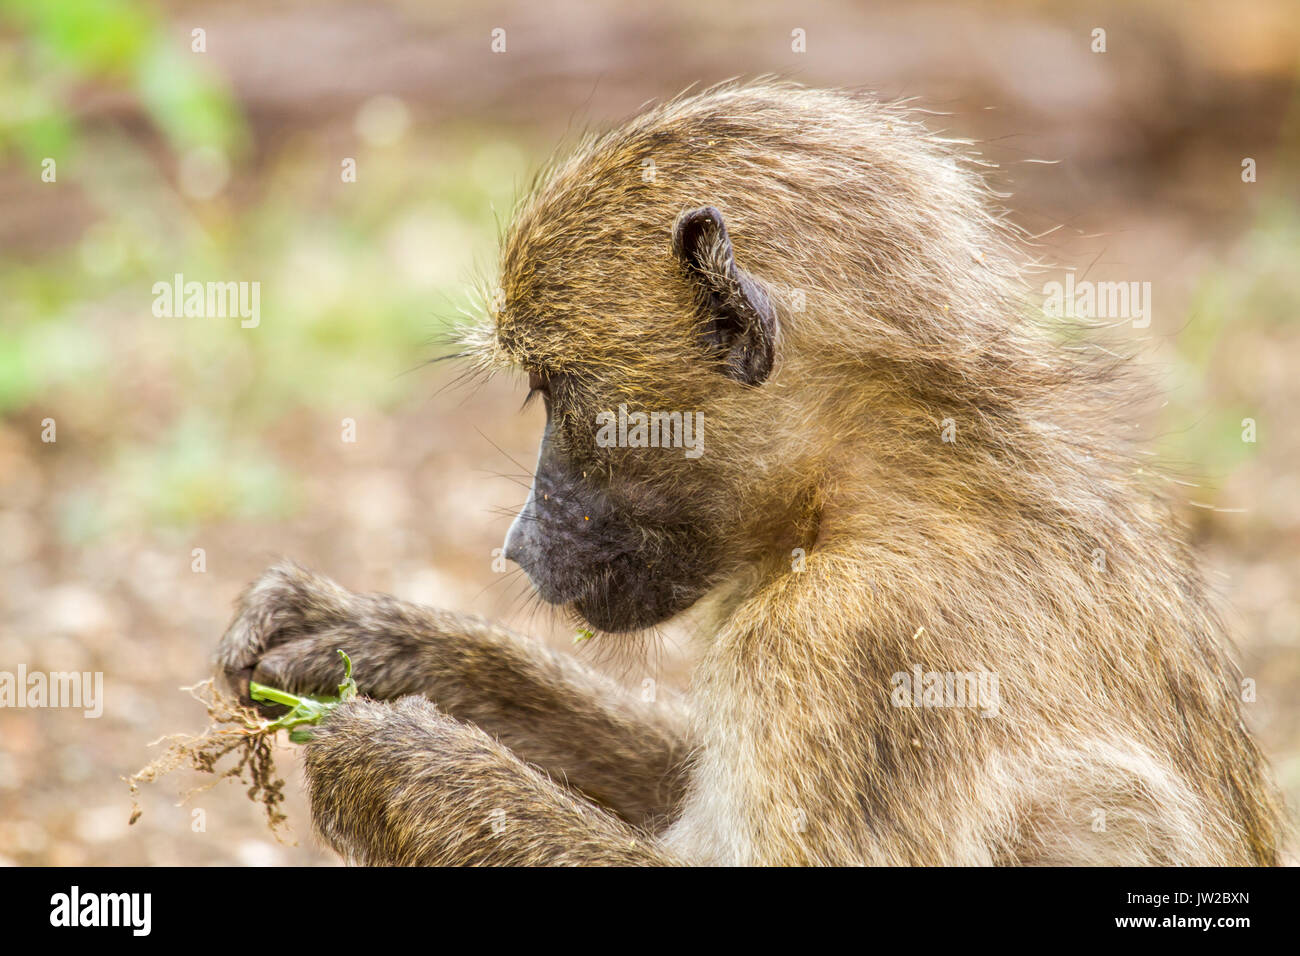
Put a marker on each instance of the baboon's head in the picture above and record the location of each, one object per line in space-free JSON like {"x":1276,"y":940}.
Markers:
{"x":624,"y":519}
{"x":694,"y":297}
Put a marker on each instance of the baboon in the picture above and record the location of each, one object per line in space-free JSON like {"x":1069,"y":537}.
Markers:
{"x":903,"y":475}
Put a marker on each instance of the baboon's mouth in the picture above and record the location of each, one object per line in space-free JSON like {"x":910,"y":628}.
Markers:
{"x":598,"y":611}
{"x":557,"y":592}
{"x":621,"y":603}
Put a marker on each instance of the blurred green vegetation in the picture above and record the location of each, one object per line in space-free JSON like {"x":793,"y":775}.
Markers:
{"x":357,"y":280}
{"x":1243,"y":310}
{"x":68,"y":44}
{"x":1250,"y":298}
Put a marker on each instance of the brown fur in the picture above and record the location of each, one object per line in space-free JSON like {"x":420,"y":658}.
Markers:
{"x":1117,"y":694}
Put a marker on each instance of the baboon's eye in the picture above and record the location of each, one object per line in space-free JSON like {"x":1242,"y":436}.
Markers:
{"x":539,"y":383}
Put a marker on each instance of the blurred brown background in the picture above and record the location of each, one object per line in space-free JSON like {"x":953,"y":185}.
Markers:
{"x":175,"y":434}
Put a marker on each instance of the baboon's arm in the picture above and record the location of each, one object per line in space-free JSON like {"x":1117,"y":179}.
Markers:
{"x":547,"y":708}
{"x":403,"y":784}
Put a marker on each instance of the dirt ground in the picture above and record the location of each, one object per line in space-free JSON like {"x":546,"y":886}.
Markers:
{"x":1143,"y":147}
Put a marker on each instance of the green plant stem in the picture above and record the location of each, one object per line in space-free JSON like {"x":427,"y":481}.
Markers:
{"x":303,"y":711}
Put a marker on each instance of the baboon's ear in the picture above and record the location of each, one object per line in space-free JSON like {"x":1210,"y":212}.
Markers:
{"x":740,"y":322}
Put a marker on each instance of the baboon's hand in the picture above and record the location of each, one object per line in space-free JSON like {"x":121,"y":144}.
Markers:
{"x":287,"y":627}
